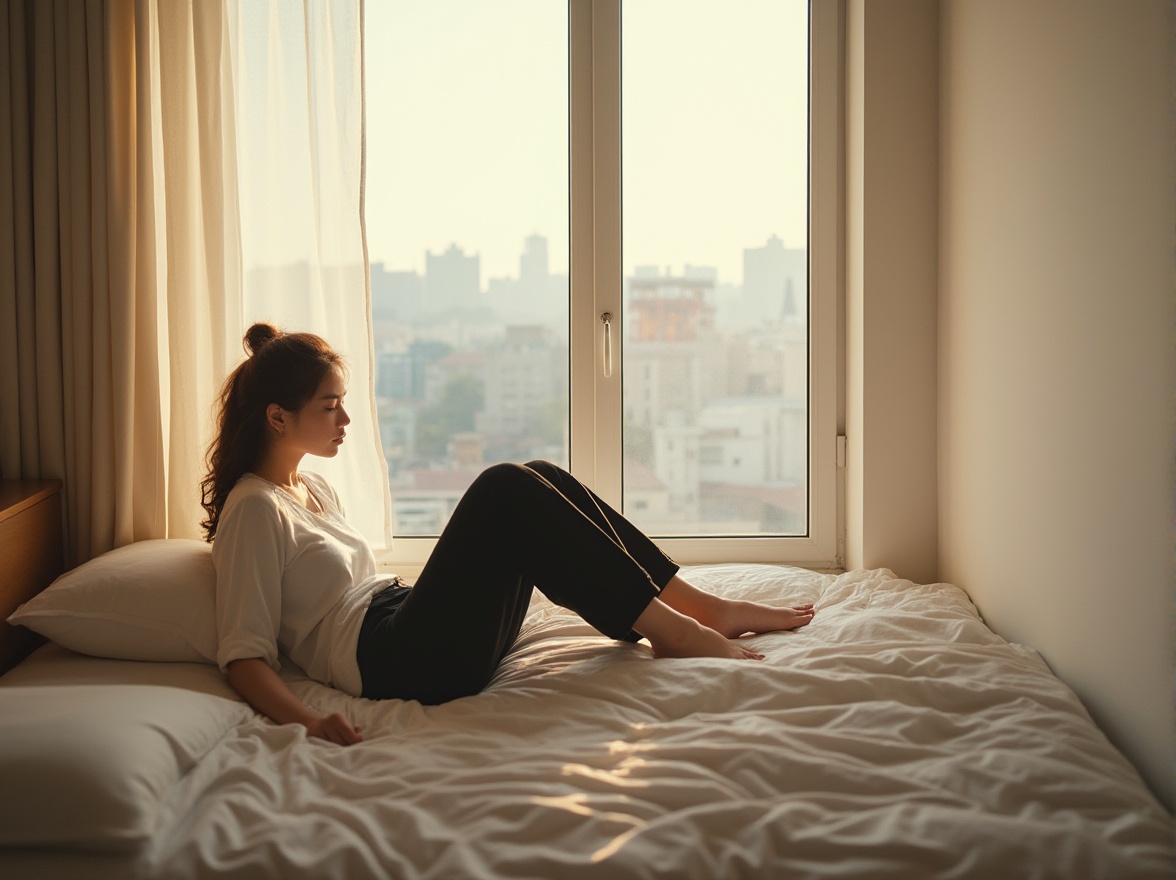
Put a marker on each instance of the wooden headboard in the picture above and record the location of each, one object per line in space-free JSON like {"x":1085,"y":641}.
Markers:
{"x":31,"y":555}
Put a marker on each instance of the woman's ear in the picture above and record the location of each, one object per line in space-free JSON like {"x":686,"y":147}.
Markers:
{"x":275,"y":417}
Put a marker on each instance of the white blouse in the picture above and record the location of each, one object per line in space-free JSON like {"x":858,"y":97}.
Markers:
{"x":292,"y":581}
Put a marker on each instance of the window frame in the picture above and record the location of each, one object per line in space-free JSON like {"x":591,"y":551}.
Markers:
{"x":596,"y":284}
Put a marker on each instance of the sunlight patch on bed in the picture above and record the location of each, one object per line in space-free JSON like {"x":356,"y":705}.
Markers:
{"x":578,"y":804}
{"x":618,"y":775}
{"x":625,"y":747}
{"x":614,"y":846}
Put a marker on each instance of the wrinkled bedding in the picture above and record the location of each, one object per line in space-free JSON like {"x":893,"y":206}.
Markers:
{"x":894,"y":737}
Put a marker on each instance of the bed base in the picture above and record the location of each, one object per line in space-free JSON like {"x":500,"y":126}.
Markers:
{"x":31,"y":556}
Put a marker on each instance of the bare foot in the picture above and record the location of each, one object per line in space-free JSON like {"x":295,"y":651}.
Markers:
{"x":736,"y":617}
{"x":701,"y":641}
{"x":673,"y":634}
{"x":732,"y":617}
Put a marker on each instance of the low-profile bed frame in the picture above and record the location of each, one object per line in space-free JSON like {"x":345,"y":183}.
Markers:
{"x":30,"y":556}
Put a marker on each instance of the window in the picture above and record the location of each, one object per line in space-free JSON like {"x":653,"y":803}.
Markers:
{"x":594,"y":239}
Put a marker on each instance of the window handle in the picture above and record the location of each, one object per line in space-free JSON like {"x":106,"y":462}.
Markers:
{"x":606,"y":320}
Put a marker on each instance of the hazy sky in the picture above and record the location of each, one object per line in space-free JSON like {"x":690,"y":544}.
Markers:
{"x":467,"y":129}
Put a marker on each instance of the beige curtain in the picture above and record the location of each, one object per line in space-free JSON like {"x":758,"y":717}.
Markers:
{"x":123,"y":256}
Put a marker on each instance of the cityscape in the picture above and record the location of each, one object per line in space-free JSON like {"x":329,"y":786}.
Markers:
{"x":714,"y":379}
{"x":467,"y":206}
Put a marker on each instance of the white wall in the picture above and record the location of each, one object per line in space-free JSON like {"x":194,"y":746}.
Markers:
{"x":1056,"y":367}
{"x":892,"y":135}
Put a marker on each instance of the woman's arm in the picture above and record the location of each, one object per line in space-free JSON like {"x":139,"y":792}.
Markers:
{"x":264,"y":690}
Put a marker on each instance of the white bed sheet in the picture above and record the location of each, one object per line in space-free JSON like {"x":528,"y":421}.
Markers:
{"x":895,"y":736}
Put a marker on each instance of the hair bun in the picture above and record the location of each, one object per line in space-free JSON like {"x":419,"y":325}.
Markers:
{"x":259,"y":335}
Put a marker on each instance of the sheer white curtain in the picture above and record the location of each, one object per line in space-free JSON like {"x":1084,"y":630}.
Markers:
{"x":179,"y":169}
{"x":298,"y":71}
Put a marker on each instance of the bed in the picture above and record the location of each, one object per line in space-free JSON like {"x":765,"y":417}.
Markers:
{"x":894,"y":737}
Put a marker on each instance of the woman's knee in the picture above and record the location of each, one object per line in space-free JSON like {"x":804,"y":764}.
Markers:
{"x":507,"y":480}
{"x":504,"y":471}
{"x":547,"y":470}
{"x":500,"y":480}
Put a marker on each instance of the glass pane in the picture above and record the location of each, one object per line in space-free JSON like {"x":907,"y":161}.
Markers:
{"x":715,"y":205}
{"x":467,"y":224}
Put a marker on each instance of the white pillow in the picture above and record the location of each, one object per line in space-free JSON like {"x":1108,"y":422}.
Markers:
{"x":90,"y":765}
{"x":151,"y":600}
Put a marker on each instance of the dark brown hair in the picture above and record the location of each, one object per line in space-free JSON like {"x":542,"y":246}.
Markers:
{"x":282,"y":368}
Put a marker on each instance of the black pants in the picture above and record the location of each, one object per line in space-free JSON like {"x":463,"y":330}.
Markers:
{"x":517,"y":527}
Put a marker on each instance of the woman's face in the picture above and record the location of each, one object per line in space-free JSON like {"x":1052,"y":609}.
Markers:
{"x":317,"y":428}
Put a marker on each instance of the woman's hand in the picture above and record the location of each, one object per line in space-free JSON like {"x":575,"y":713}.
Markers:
{"x":265,"y":691}
{"x":335,"y":728}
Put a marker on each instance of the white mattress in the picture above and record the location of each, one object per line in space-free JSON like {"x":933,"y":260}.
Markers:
{"x":894,"y":737}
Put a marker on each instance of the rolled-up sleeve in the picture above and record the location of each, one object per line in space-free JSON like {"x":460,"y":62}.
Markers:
{"x":249,"y":555}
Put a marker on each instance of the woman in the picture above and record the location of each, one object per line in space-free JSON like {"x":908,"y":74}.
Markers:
{"x":294,"y":577}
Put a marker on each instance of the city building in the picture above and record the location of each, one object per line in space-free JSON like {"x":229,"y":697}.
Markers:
{"x":453,"y":282}
{"x":775,"y":284}
{"x":667,"y":308}
{"x":536,"y":297}
{"x":525,"y":378}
